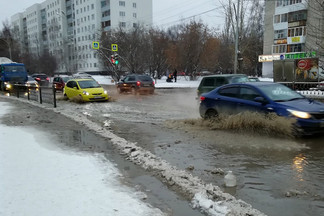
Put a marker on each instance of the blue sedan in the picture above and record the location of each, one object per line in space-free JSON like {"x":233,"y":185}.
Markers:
{"x":264,"y":97}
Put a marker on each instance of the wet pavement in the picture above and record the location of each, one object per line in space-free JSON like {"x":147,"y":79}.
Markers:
{"x":276,"y":174}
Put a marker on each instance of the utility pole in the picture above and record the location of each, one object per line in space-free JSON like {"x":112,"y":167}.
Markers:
{"x":237,"y":36}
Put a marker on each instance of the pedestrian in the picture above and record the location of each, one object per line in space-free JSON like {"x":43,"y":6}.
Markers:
{"x":175,"y":75}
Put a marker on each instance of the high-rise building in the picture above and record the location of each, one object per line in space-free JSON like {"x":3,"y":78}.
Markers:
{"x":67,"y":28}
{"x":294,"y":29}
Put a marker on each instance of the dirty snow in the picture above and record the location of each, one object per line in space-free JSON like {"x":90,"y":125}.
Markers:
{"x":35,"y":180}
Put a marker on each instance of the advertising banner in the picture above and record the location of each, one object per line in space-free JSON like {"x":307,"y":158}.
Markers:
{"x":306,"y":70}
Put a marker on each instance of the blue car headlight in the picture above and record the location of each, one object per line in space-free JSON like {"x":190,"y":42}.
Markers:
{"x":105,"y":92}
{"x":85,"y":93}
{"x":300,"y":114}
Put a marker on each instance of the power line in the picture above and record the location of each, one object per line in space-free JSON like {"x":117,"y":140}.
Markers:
{"x":183,"y":19}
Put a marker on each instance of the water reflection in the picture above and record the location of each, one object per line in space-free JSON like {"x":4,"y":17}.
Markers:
{"x":299,"y":163}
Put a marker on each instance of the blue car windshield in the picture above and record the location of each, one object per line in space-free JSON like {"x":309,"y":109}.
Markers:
{"x":280,"y":93}
{"x":88,"y":84}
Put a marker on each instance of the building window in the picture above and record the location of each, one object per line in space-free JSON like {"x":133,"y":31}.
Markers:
{"x":296,"y":48}
{"x":122,"y":3}
{"x":106,"y":13}
{"x":134,"y":25}
{"x":279,"y":48}
{"x":134,"y":15}
{"x":284,"y":18}
{"x":280,"y":34}
{"x":298,"y":31}
{"x":122,"y":13}
{"x":134,"y":5}
{"x":122,"y":24}
{"x":297,"y":16}
{"x":92,"y":6}
{"x":276,"y":19}
{"x":103,"y":4}
{"x":287,"y":2}
{"x":280,"y":18}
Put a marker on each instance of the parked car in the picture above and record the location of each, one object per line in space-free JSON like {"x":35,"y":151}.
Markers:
{"x":31,"y":82}
{"x":209,"y":83}
{"x":265,"y":97}
{"x":42,"y":79}
{"x":85,"y":89}
{"x":136,"y":83}
{"x":60,"y":81}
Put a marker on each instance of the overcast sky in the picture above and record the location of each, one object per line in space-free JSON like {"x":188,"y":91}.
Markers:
{"x":165,"y":12}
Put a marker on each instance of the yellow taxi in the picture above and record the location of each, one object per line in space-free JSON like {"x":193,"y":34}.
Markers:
{"x":85,"y":89}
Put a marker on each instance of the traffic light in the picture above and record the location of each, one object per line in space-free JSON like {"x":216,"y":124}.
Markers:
{"x":116,"y":59}
{"x":112,"y":59}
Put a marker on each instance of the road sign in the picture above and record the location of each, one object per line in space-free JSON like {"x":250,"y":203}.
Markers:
{"x":114,"y":47}
{"x":304,"y":64}
{"x":95,"y":45}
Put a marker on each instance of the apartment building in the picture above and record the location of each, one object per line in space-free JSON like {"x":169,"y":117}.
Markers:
{"x":67,"y":28}
{"x":294,"y":29}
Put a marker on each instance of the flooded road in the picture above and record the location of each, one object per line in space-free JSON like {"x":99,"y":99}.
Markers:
{"x":277,"y":174}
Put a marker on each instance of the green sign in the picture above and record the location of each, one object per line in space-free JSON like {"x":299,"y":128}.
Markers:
{"x":114,"y":47}
{"x":300,"y":55}
{"x":95,"y":45}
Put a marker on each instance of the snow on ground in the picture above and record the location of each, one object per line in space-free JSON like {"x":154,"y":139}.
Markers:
{"x":182,"y":81}
{"x":37,"y":180}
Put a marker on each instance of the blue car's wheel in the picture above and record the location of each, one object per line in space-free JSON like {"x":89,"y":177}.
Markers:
{"x":210,"y":114}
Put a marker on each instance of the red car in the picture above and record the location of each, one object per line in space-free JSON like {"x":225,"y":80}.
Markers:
{"x":59,"y":82}
{"x":42,"y":79}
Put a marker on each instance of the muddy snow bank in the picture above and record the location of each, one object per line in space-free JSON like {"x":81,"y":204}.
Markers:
{"x":206,"y":197}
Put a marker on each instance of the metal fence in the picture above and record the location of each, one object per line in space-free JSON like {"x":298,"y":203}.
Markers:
{"x":308,"y":89}
{"x":302,"y":85}
{"x":41,"y":94}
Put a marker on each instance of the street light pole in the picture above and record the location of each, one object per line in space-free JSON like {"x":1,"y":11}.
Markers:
{"x":8,"y":44}
{"x":237,"y":37}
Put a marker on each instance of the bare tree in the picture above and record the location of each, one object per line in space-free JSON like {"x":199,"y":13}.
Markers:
{"x":158,"y":44}
{"x":250,"y":33}
{"x":315,"y":29}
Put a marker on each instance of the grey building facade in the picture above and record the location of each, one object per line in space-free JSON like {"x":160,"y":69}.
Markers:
{"x":66,"y":29}
{"x":294,"y":29}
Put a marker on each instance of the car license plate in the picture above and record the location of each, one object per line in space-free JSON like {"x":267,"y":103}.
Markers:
{"x":97,"y":97}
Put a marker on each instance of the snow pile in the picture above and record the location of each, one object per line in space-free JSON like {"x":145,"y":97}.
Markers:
{"x":104,"y":80}
{"x":182,"y":82}
{"x":207,"y":197}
